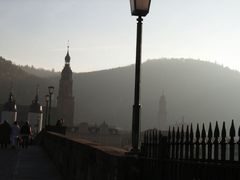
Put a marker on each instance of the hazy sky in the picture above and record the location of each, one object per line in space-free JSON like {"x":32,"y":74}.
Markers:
{"x":102,"y":33}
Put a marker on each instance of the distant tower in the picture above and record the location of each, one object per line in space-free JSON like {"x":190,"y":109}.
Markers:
{"x":65,"y":99}
{"x":9,"y":112}
{"x":162,"y":112}
{"x":35,"y":114}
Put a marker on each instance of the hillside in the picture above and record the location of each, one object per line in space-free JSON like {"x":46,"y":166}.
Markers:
{"x":24,"y":84}
{"x":40,"y":72}
{"x":200,"y":91}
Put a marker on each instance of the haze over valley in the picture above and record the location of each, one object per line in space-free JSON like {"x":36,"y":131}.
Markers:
{"x":197,"y":90}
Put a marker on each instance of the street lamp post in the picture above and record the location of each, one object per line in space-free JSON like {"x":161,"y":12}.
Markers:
{"x":138,"y":8}
{"x":46,"y":113}
{"x":50,"y":91}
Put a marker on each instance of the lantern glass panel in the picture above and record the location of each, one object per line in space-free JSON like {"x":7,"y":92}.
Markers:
{"x":142,"y":5}
{"x":132,"y":3}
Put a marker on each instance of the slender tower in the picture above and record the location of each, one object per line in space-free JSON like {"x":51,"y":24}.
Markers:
{"x":35,"y":114}
{"x":9,"y":112}
{"x":162,"y":113}
{"x":65,"y":99}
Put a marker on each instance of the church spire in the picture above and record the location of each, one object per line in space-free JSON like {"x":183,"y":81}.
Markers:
{"x":163,"y":98}
{"x":35,"y":107}
{"x":65,"y":99}
{"x":37,"y":93}
{"x":67,"y":57}
{"x":10,"y":105}
{"x":11,"y":98}
{"x":162,"y":112}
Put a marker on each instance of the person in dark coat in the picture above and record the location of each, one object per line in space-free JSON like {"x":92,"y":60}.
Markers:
{"x":25,"y":133}
{"x":5,"y":131}
{"x":59,"y":122}
{"x":1,"y":135}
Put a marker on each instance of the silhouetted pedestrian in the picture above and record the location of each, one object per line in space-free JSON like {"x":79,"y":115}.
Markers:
{"x":15,"y":132}
{"x":59,"y":122}
{"x":5,"y":134}
{"x":1,"y":134}
{"x":25,"y":133}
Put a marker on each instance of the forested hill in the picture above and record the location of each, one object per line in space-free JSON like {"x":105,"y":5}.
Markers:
{"x":9,"y":71}
{"x":40,"y":72}
{"x":23,"y":83}
{"x":198,"y":90}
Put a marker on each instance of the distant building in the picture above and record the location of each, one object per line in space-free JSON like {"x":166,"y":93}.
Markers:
{"x":65,"y":99}
{"x":162,"y":113}
{"x":102,"y":129}
{"x":102,"y":133}
{"x":83,"y":128}
{"x":35,"y":115}
{"x":9,"y":111}
{"x":181,"y":123}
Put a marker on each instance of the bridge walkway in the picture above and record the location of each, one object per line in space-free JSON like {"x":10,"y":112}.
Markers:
{"x":27,"y":164}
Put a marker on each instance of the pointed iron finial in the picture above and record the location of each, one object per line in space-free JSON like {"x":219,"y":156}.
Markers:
{"x":159,"y":136}
{"x":178,"y":134}
{"x":187,"y":134}
{"x":232,"y":130}
{"x":216,"y":130}
{"x":210,"y":131}
{"x":197,"y":132}
{"x":182,"y":134}
{"x":169,"y":134}
{"x":223,"y":131}
{"x":173,"y":135}
{"x":203,"y":132}
{"x":145,"y":137}
{"x":191,"y":133}
{"x":155,"y":136}
{"x":239,"y":132}
{"x":151,"y":136}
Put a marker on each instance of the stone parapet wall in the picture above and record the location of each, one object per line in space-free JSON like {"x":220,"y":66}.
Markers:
{"x":81,"y":159}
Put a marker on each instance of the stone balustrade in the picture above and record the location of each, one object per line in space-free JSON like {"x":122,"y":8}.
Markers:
{"x":82,"y":159}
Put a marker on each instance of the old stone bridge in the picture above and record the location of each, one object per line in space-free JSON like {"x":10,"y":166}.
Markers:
{"x":57,"y":157}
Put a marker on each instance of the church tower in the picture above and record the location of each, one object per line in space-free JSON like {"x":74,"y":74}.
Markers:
{"x":9,"y":112}
{"x":162,"y":113}
{"x":65,"y":99}
{"x":35,"y":114}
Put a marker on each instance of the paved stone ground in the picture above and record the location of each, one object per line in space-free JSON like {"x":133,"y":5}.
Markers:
{"x":27,"y":164}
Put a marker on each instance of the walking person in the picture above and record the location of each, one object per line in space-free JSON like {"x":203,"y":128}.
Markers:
{"x":59,"y":122}
{"x":25,"y":133}
{"x":5,"y":134}
{"x":15,"y":132}
{"x":1,"y":135}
